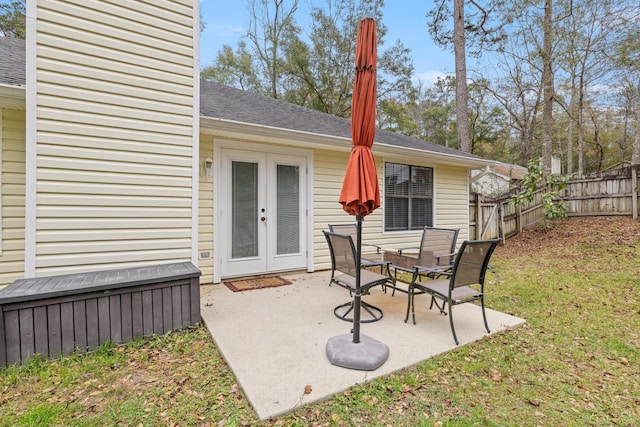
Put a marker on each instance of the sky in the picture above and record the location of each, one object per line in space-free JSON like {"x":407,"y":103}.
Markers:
{"x":227,"y":20}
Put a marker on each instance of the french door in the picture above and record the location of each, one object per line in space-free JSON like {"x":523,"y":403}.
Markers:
{"x":264,"y":217}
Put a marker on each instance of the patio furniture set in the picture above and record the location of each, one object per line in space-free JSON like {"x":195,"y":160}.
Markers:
{"x":451,"y":277}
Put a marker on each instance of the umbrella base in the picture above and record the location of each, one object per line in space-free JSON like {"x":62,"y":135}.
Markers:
{"x":367,"y":355}
{"x":342,"y":312}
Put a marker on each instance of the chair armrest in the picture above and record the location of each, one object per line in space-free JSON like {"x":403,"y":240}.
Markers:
{"x":378,"y":248}
{"x":408,"y":249}
{"x":452,"y":255}
{"x":445,"y":269}
{"x":374,"y":261}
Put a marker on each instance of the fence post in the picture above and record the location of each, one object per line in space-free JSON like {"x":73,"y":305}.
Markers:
{"x":479,"y":220}
{"x":518,"y":213}
{"x":501,"y":221}
{"x":634,"y":192}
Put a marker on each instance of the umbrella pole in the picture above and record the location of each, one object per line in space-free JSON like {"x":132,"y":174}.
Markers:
{"x":358,"y":294}
{"x":353,"y":351}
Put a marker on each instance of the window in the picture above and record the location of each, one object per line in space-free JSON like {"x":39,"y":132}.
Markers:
{"x":408,"y":197}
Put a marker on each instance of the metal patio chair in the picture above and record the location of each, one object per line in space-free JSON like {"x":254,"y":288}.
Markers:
{"x":434,"y":255}
{"x":343,"y":273}
{"x":438,"y":243}
{"x":465,"y":281}
{"x":373,"y":251}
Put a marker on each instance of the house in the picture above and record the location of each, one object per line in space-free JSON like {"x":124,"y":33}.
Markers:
{"x":495,"y":180}
{"x":114,"y":154}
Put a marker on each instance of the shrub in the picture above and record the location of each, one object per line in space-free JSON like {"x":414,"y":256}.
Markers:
{"x":535,"y":179}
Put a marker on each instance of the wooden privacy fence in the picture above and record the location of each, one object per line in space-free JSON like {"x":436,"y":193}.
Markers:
{"x":606,"y":193}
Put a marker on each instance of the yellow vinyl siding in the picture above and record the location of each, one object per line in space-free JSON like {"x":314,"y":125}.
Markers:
{"x":329,"y":170}
{"x":114,"y":117}
{"x":12,"y":137}
{"x":329,"y":167}
{"x":452,"y":199}
{"x":328,"y":173}
{"x":451,"y":203}
{"x":205,"y":213}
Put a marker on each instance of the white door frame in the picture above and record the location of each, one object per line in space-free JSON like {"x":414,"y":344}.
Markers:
{"x":220,"y":195}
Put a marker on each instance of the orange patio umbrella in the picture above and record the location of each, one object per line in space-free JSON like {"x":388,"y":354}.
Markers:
{"x":360,"y":196}
{"x":360,"y":193}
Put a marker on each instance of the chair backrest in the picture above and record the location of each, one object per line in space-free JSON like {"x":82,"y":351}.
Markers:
{"x":343,"y":252}
{"x":437,"y":242}
{"x":348,"y":229}
{"x":471,"y":262}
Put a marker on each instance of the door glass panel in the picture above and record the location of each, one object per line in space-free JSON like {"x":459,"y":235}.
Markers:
{"x":288,"y":210}
{"x":244,"y":209}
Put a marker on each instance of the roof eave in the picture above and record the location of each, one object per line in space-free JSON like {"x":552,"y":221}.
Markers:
{"x":442,"y":158}
{"x":241,"y":130}
{"x":12,"y":97}
{"x":225,"y":128}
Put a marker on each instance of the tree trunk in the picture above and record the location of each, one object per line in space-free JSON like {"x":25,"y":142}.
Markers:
{"x":462,"y":104}
{"x":273,"y":68}
{"x":547,"y":82}
{"x":580,"y":124}
{"x":635,"y":156}
{"x":572,"y":124}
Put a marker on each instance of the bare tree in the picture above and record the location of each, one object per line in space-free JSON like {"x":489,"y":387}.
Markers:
{"x":323,"y":69}
{"x":12,"y":19}
{"x":635,"y":157}
{"x":548,"y":87}
{"x":585,"y":38}
{"x":433,"y":111}
{"x":234,"y":69}
{"x":462,"y":94}
{"x":271,"y":25}
{"x":476,"y":25}
{"x":514,"y":79}
{"x":628,"y":58}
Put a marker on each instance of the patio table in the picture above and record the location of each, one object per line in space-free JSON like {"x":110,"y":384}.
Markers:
{"x":426,"y":265}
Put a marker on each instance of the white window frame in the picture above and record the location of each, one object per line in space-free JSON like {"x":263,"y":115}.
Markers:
{"x":433,"y":196}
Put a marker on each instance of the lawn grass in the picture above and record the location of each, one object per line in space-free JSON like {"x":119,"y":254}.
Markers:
{"x":574,"y":363}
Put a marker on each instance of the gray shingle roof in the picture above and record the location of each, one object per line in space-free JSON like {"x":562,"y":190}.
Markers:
{"x":227,"y":103}
{"x":12,"y":65}
{"x":224,"y":102}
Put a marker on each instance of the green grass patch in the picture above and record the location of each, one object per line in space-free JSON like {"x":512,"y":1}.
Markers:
{"x":574,"y":363}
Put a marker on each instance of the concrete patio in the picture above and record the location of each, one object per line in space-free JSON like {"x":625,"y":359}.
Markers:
{"x":274,"y":339}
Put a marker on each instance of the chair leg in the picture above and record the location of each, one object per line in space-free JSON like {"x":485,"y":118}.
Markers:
{"x":409,"y":303}
{"x":411,"y":299}
{"x":413,"y":305}
{"x":395,"y":280}
{"x":453,"y":329}
{"x":484,"y":315}
{"x":391,"y":278}
{"x":384,"y":285}
{"x":440,"y":307}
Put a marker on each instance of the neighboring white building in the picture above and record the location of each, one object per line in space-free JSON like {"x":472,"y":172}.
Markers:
{"x":497,"y":179}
